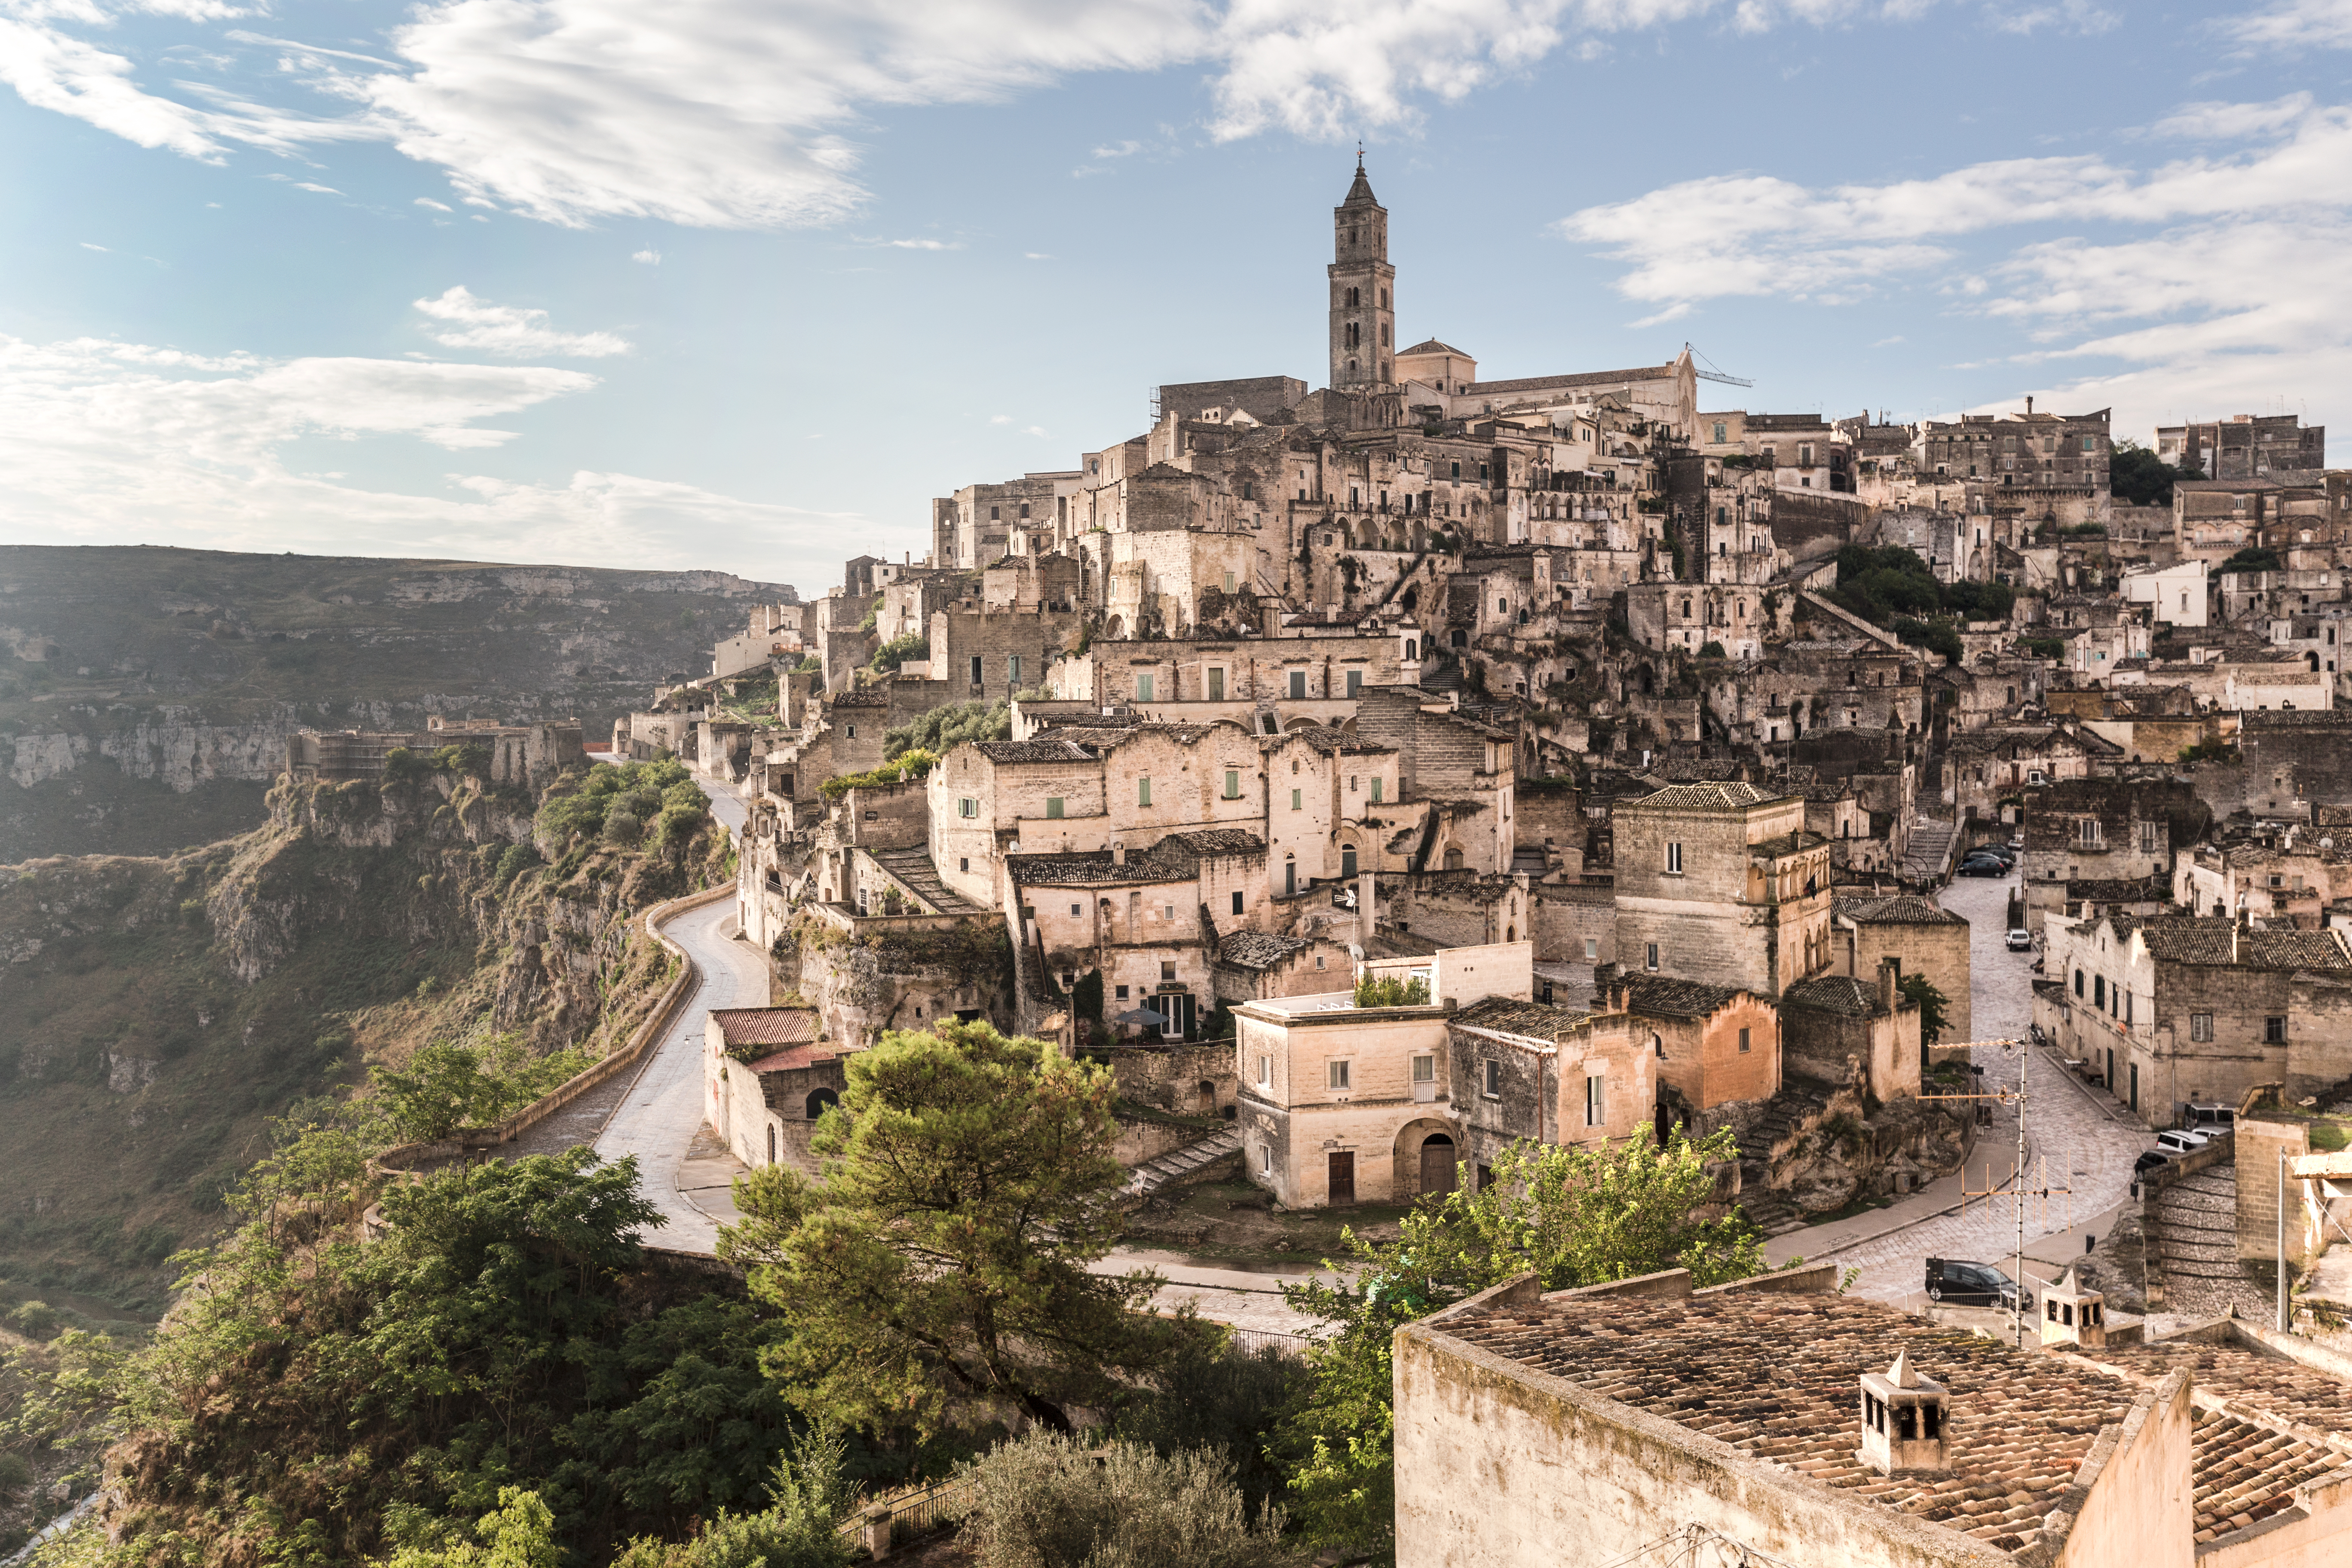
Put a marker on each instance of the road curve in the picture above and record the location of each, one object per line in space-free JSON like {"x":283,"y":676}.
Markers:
{"x":659,"y":1117}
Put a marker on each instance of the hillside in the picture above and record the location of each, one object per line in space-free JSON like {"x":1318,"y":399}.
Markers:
{"x":145,"y":694}
{"x":159,"y":1010}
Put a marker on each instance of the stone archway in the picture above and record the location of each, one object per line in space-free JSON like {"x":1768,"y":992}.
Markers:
{"x":1412,"y":1139}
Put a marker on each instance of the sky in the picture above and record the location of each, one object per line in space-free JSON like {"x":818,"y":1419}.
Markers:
{"x":740,"y":285}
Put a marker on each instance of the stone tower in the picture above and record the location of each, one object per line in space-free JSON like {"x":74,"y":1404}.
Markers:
{"x":1363,"y":284}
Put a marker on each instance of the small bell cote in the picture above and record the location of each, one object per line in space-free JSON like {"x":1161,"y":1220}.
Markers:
{"x":1904,"y":1420}
{"x":2074,"y":1314}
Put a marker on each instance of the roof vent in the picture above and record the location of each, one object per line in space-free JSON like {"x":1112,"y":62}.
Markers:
{"x":1904,"y":1420}
{"x":2074,"y":1314}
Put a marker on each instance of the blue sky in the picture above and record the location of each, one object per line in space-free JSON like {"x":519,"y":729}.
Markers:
{"x":740,"y":285}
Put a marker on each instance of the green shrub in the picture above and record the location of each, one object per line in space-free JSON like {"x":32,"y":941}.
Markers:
{"x":1390,"y":991}
{"x":1054,"y":1501}
{"x":1712,"y":650}
{"x":35,"y":1320}
{"x":907,"y":767}
{"x":898,"y":650}
{"x":15,"y":1475}
{"x":623,"y":828}
{"x":943,"y":730}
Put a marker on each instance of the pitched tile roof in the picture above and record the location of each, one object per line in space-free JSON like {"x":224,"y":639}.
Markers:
{"x":1532,"y":1019}
{"x":1726,"y":795}
{"x":793,"y":1057}
{"x":1834,"y":994}
{"x":1256,"y":949}
{"x":1902,"y":909}
{"x":1775,"y":1377}
{"x":766,"y":1025}
{"x":1052,"y":746}
{"x":2216,"y":940}
{"x":1663,"y":997}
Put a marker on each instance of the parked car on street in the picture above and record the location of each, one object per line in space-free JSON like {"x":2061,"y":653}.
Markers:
{"x":2020,"y":940}
{"x":2149,"y":1162}
{"x":1983,"y":866}
{"x":1973,"y":1285}
{"x":2173,"y":1141}
{"x":2206,"y":1119}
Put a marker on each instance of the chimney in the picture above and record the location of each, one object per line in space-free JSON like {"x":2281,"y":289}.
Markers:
{"x":1890,"y":980}
{"x":1118,"y":854}
{"x":1367,"y":911}
{"x":1903,"y":1420}
{"x":2074,"y":1314}
{"x":2029,"y":405}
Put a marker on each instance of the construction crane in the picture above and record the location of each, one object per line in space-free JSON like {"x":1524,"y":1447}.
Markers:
{"x":1714,"y":374}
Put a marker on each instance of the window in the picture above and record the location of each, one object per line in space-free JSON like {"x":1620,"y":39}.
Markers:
{"x":1216,"y":686}
{"x":1376,"y":789}
{"x":1233,"y":783}
{"x":1424,"y":1070}
{"x":853,"y":732}
{"x":1490,"y":1083}
{"x":1229,"y":581}
{"x":1012,"y":670}
{"x":2099,"y":992}
{"x":1743,"y":1039}
{"x":1348,"y":862}
{"x":1143,"y":791}
{"x":1052,"y":808}
{"x":1592,"y":949}
{"x":1297,"y":798}
{"x":1596,"y":1102}
{"x":1336,"y":1074}
{"x":2078,"y":984}
{"x":1674,"y":860}
{"x":1237,"y":902}
{"x":1718,"y":431}
{"x":1168,"y":969}
{"x":967,"y":807}
{"x":1265,"y":1071}
{"x":1650,"y":955}
{"x":963,"y":863}
{"x":1297,"y":685}
{"x":975,"y":670}
{"x":1144,"y":688}
{"x":1075,"y":910}
{"x":1355,"y":682}
{"x":2273,"y":1031}
{"x":2134,"y":1086}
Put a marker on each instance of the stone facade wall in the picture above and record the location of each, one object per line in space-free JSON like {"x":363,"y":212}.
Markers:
{"x":1293,"y":1121}
{"x":1938,"y":952}
{"x":1183,"y":1081}
{"x":1703,"y":1061}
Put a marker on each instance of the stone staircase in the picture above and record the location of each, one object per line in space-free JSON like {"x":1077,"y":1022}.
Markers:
{"x":914,"y":870}
{"x":1178,"y":1164}
{"x":1769,"y":1211}
{"x":1929,"y":854}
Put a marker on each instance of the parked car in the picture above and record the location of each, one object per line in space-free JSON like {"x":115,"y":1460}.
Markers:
{"x":2020,"y":939}
{"x":2208,"y":1118}
{"x":1983,"y":866}
{"x":1973,"y":1285}
{"x":2149,"y":1162}
{"x":2174,"y":1140}
{"x":1998,"y":851}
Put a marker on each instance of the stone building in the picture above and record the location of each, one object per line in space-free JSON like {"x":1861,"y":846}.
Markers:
{"x":2197,"y":1010}
{"x":1841,"y":1032}
{"x":1922,"y":937}
{"x":2245,"y":446}
{"x":1721,"y":883}
{"x":1713,"y":1047}
{"x":768,"y":1074}
{"x":1618,"y":1423}
{"x":528,"y":756}
{"x":2102,"y":830}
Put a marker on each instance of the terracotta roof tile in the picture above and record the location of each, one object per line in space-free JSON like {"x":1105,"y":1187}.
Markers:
{"x":1662,"y":997}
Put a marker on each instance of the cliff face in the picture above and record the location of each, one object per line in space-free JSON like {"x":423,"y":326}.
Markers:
{"x":146,"y":695}
{"x":154,"y":1012}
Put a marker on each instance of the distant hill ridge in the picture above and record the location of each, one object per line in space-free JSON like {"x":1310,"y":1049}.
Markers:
{"x":146,"y":692}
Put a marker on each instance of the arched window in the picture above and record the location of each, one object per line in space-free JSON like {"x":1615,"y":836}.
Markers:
{"x":1348,"y":861}
{"x":818,"y":1100}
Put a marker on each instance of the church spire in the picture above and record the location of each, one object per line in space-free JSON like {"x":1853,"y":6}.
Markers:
{"x":1363,"y":308}
{"x":1359,"y":194}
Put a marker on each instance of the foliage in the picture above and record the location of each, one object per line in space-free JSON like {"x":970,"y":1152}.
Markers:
{"x":315,"y":1399}
{"x":939,"y":1278}
{"x":577,"y":808}
{"x":1933,"y":1007}
{"x":2137,"y":477}
{"x":810,"y":665}
{"x":900,"y":650}
{"x":1392,"y":991}
{"x":1712,"y":650}
{"x":1211,"y":1395}
{"x":1087,"y":996}
{"x":907,"y":767}
{"x":807,"y":1498}
{"x":1883,"y":582}
{"x":943,"y":730}
{"x":873,"y":614}
{"x":2253,"y":558}
{"x":1055,"y":1501}
{"x":517,"y":858}
{"x":2041,"y":647}
{"x":1977,"y":601}
{"x":448,"y":1085}
{"x":1570,"y":1214}
{"x":1939,"y":635}
{"x":518,"y":1533}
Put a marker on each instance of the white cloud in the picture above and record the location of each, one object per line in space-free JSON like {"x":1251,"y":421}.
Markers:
{"x":102,"y":440}
{"x":437,"y":206}
{"x":101,"y":250}
{"x":2208,"y":282}
{"x":650,"y":257}
{"x":2298,"y":24}
{"x":323,"y":190}
{"x":1035,"y":255}
{"x":740,"y":115}
{"x":514,"y":330}
{"x":919,"y":245}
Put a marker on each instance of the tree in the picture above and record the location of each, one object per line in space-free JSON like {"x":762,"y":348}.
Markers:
{"x":1932,"y":1006}
{"x":443,"y":1088}
{"x":942,"y":730}
{"x":898,"y":650}
{"x":1570,"y":1214}
{"x":1051,"y":1501}
{"x":938,"y":1277}
{"x":2137,"y":477}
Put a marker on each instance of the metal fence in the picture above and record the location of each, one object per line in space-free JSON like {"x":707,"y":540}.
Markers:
{"x":915,"y":1508}
{"x":1274,"y":1340}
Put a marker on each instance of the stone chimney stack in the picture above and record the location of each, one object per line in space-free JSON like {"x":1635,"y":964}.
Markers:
{"x":1890,"y":982}
{"x":1905,"y":1422}
{"x":2074,"y":1314}
{"x":1118,"y":854}
{"x":2029,"y":405}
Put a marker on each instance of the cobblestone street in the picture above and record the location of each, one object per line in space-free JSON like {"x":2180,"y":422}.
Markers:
{"x":2089,"y":1140}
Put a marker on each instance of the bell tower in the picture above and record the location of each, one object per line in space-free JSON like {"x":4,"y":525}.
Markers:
{"x":1363,"y":284}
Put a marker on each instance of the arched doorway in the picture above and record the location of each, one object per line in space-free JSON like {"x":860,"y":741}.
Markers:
{"x":1411,"y":1172}
{"x":818,"y":1100}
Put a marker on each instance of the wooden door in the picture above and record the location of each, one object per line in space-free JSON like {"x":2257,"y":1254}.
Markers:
{"x":1343,"y":1178}
{"x":1437,"y":1163}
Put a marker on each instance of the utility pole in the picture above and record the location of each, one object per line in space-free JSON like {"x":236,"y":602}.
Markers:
{"x":2016,"y":1263}
{"x":2282,"y":1238}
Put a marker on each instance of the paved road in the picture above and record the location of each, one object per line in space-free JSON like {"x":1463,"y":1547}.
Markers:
{"x":2088,"y":1141}
{"x":658,"y":1119}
